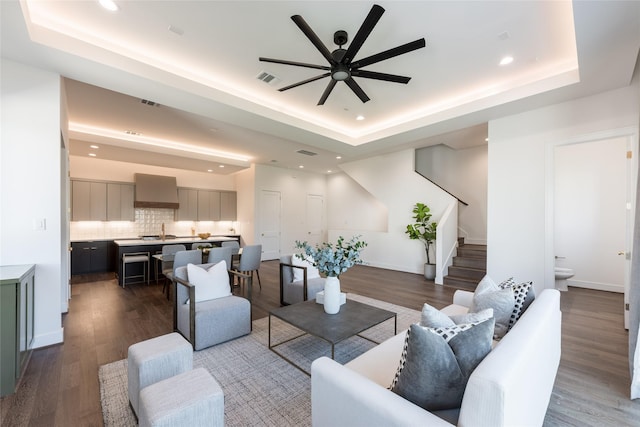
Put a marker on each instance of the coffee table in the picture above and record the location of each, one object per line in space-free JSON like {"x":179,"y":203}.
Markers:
{"x":354,"y":317}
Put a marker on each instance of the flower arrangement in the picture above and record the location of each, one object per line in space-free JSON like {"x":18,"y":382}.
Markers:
{"x":333,"y":260}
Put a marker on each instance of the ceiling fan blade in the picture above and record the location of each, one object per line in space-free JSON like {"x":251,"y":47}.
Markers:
{"x":297,"y":64}
{"x":380,"y":76}
{"x":405,"y":48}
{"x":306,"y":29}
{"x":365,"y":29}
{"x":327,"y":91}
{"x":357,"y":89}
{"x":312,"y":79}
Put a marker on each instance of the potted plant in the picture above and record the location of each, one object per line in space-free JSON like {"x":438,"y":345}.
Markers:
{"x":333,"y":260}
{"x":424,"y":229}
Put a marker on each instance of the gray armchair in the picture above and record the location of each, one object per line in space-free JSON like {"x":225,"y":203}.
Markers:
{"x":211,"y":322}
{"x":291,"y":291}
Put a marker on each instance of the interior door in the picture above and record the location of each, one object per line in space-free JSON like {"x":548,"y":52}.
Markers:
{"x":270,"y":211}
{"x":315,"y":215}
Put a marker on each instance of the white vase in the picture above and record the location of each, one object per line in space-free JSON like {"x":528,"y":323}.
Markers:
{"x":331,"y":295}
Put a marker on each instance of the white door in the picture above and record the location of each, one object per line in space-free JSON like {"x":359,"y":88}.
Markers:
{"x":315,"y":215}
{"x":270,"y":207}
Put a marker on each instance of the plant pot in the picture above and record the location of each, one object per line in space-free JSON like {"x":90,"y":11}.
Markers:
{"x":429,"y":271}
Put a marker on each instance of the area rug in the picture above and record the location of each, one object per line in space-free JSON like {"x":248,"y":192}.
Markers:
{"x":260,"y":388}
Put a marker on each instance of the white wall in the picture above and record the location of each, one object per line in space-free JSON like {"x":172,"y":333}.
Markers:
{"x":391,"y":179}
{"x":294,"y":186}
{"x":30,"y":187}
{"x":520,"y":209}
{"x":590,"y":212}
{"x":353,"y":207}
{"x":464,"y":174}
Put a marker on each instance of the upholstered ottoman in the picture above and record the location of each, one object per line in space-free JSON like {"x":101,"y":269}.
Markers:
{"x":192,"y":399}
{"x":154,"y":360}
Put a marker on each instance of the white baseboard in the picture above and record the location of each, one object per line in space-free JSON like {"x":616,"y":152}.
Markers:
{"x":609,"y":287}
{"x":43,"y":340}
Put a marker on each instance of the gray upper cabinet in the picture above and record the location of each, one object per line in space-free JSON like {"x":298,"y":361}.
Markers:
{"x":228,"y":206}
{"x":208,"y":205}
{"x":188,"y":199}
{"x":88,"y":201}
{"x":120,"y":202}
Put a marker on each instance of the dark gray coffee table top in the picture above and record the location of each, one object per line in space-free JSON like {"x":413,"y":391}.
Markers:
{"x":354,"y":317}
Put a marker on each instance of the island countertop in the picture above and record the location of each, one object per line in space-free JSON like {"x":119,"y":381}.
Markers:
{"x":177,"y":240}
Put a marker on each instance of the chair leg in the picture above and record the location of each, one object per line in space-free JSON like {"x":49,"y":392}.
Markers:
{"x":258,"y":274}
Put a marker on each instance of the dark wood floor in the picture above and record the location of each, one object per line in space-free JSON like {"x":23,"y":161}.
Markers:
{"x":60,"y":386}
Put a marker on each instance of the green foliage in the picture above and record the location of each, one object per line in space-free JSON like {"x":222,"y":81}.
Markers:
{"x":423,"y":229}
{"x":333,"y":260}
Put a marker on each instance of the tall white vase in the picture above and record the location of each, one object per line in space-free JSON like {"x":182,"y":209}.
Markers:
{"x":331,"y":295}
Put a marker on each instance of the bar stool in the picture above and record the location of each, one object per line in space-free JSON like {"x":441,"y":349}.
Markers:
{"x":133,"y":257}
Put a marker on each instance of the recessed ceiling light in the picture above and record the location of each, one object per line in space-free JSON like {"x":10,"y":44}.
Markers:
{"x":301,"y":166}
{"x":95,"y":147}
{"x":486,"y":139}
{"x":209,"y":170}
{"x":506,"y":60}
{"x":338,"y":157}
{"x":220,"y":166}
{"x":109,"y":5}
{"x":360,"y":117}
{"x":92,"y":154}
{"x":329,"y":171}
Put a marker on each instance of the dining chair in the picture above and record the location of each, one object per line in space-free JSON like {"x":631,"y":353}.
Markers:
{"x":235,"y":249}
{"x":168,"y":253}
{"x":220,"y":254}
{"x":250,"y":261}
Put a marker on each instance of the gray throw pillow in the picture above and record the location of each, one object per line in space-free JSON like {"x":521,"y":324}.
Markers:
{"x":436,"y":363}
{"x":489,"y":295}
{"x":431,"y":317}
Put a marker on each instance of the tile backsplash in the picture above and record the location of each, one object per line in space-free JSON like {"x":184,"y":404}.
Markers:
{"x":148,"y":221}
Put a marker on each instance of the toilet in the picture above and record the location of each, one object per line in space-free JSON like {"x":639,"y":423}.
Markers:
{"x":562,"y":274}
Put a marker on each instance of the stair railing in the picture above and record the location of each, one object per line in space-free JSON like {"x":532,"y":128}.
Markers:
{"x":446,"y":241}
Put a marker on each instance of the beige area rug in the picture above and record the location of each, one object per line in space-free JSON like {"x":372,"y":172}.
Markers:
{"x":260,"y":387}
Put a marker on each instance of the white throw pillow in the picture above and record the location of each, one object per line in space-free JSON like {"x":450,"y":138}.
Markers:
{"x":210,"y":284}
{"x":298,"y":273}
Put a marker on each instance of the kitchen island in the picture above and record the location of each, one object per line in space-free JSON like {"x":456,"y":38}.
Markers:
{"x":154,"y":246}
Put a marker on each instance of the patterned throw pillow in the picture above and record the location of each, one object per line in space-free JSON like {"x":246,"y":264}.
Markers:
{"x":436,"y":363}
{"x":523,"y":294}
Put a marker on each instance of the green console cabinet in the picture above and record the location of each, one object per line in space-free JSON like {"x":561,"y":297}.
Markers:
{"x":17,"y":283}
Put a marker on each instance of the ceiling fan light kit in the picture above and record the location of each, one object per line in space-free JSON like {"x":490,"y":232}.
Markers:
{"x":341,"y":67}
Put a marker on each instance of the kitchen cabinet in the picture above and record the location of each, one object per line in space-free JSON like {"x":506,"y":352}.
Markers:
{"x":88,"y":201}
{"x":228,"y":206}
{"x":188,"y":210}
{"x":208,"y":205}
{"x":17,"y":287}
{"x":120,"y":202}
{"x":90,"y":257}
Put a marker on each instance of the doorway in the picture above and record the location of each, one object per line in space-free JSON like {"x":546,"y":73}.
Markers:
{"x":593,"y":201}
{"x":270,"y":211}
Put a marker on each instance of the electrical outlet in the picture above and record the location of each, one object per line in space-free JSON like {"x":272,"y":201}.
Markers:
{"x":39,"y":224}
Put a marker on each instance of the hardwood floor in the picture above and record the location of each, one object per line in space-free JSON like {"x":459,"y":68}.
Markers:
{"x":60,"y":386}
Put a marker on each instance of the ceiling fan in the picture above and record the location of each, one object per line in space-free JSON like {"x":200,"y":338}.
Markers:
{"x":342,"y":67}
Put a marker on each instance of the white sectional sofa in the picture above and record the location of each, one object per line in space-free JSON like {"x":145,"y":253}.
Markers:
{"x":510,"y":387}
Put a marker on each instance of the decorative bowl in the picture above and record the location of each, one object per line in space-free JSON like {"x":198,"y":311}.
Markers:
{"x":204,"y":235}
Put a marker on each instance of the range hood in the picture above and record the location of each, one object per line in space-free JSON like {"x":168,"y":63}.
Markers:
{"x":156,"y":191}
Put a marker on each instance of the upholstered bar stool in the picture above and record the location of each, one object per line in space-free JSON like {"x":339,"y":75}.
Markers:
{"x":154,"y":360}
{"x":136,"y":257}
{"x":192,"y":398}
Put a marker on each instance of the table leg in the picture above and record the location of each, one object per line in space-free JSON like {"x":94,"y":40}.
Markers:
{"x":269,"y":342}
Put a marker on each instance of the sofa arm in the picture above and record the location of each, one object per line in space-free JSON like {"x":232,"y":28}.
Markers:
{"x":342,"y":397}
{"x":463,"y":298}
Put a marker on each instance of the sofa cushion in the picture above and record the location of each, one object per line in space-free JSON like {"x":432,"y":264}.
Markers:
{"x":298,"y":274}
{"x":436,"y":363}
{"x":210,"y":284}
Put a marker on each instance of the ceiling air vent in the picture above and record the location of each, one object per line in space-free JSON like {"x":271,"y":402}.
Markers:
{"x":150,"y":103}
{"x":306,"y":153}
{"x":267,"y":78}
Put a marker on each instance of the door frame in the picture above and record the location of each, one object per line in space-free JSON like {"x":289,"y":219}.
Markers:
{"x":631,"y":135}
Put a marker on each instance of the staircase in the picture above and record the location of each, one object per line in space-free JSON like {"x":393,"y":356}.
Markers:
{"x":469,"y":267}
